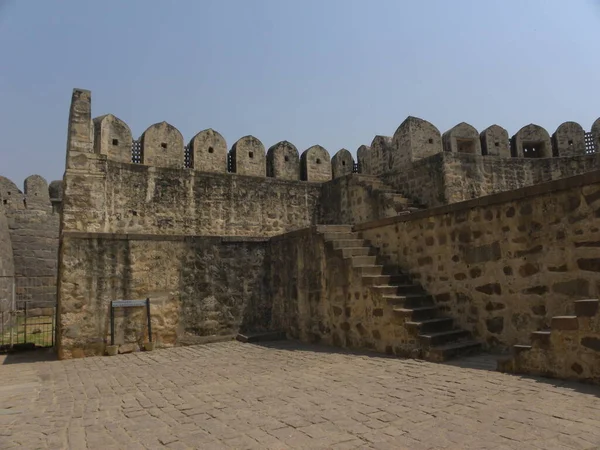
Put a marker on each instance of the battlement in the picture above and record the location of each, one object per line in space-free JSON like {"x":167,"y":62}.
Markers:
{"x":416,"y":139}
{"x":162,"y":145}
{"x":37,"y":194}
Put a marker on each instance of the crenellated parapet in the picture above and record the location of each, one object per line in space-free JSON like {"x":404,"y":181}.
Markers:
{"x":342,"y":163}
{"x":208,"y":152}
{"x":283,"y":161}
{"x":416,"y":139}
{"x":36,"y":194}
{"x":162,"y":145}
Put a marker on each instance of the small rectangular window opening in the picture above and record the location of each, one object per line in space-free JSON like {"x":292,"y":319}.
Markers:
{"x":465,"y":146}
{"x":163,"y":145}
{"x":251,"y":154}
{"x":534,"y":149}
{"x":115,"y":142}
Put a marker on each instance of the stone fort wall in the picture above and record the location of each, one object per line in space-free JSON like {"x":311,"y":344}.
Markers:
{"x":505,"y":264}
{"x":462,"y":164}
{"x":185,"y":225}
{"x":7,"y":268}
{"x":189,"y":225}
{"x":29,"y":230}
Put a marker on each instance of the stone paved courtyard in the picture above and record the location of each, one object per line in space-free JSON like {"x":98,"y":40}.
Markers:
{"x":286,"y":396}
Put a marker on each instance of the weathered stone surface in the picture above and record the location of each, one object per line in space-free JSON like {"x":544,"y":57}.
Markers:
{"x":208,"y":151}
{"x":363,"y":156}
{"x":462,"y":138}
{"x":495,"y":142}
{"x":33,"y":225}
{"x":413,"y":140}
{"x":495,"y":325}
{"x":112,"y":137}
{"x":596,"y":133}
{"x":162,"y":146}
{"x":528,"y":252}
{"x":181,"y":398}
{"x":383,"y":155}
{"x":569,"y":140}
{"x":565,"y":323}
{"x":248,"y":157}
{"x":484,"y":253}
{"x":591,"y":342}
{"x":7,"y":268}
{"x":315,"y":164}
{"x":342,"y":163}
{"x":531,"y":141}
{"x":283,"y":161}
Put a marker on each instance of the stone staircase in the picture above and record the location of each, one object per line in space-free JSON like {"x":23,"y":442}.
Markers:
{"x":436,"y":337}
{"x":392,"y":203}
{"x":570,"y":349}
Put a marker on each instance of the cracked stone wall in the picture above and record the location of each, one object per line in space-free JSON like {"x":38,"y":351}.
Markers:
{"x":503,"y":265}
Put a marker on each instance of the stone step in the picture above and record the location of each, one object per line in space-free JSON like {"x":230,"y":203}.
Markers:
{"x":334,"y":228}
{"x":357,"y":251}
{"x":453,"y":350}
{"x":398,"y":286}
{"x":370,"y":270}
{"x":540,"y":338}
{"x":348,"y":243}
{"x":385,"y":284}
{"x":443,"y":337}
{"x":586,"y":308}
{"x":358,"y":261}
{"x":266,"y":336}
{"x":340,"y":236}
{"x":416,"y":314}
{"x":430,"y":325}
{"x":518,"y":348}
{"x":409,"y":301}
{"x":567,"y":323}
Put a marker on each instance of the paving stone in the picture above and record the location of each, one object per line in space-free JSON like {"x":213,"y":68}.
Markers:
{"x":287,"y":396}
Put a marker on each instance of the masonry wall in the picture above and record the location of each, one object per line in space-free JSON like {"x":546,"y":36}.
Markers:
{"x":503,"y":265}
{"x":454,"y":177}
{"x":7,"y":268}
{"x":199,"y":288}
{"x":33,"y":225}
{"x":422,"y":180}
{"x":318,"y":296}
{"x":472,"y":176}
{"x":129,"y":198}
{"x":188,"y":240}
{"x":351,"y":199}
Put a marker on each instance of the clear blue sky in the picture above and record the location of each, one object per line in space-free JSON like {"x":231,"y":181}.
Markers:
{"x":328,"y":72}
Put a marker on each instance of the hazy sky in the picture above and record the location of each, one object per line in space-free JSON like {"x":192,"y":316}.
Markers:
{"x":328,"y":72}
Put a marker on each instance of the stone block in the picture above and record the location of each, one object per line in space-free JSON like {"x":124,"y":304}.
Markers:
{"x":566,"y":323}
{"x":586,"y":308}
{"x":129,"y":348}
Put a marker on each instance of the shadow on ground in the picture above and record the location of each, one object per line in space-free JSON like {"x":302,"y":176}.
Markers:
{"x":28,"y":356}
{"x":484,"y":361}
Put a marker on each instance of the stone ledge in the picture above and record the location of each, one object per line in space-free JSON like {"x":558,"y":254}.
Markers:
{"x":562,"y":184}
{"x":160,"y":237}
{"x":197,"y":173}
{"x":294,"y":234}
